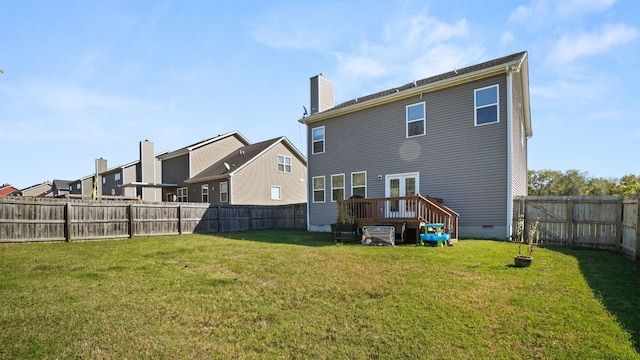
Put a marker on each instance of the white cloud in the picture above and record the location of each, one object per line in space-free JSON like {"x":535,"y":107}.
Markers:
{"x":410,"y":48}
{"x":539,"y":11}
{"x":572,"y":47}
{"x":507,"y":38}
{"x":567,"y":8}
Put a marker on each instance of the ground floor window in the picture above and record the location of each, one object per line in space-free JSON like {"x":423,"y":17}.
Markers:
{"x":318,"y":189}
{"x":359,"y":184}
{"x":224,"y":192}
{"x":205,"y":193}
{"x":183,"y":194}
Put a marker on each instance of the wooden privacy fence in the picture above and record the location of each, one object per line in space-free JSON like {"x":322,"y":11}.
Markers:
{"x":607,"y":222}
{"x":33,"y":220}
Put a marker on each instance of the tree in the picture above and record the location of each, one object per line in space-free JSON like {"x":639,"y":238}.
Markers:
{"x":576,"y":183}
{"x":629,"y":185}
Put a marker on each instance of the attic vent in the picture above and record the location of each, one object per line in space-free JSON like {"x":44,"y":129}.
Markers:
{"x":241,"y":152}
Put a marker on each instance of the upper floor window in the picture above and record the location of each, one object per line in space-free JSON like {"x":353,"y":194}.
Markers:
{"x":318,"y":189}
{"x":486,"y":105}
{"x":205,"y":193}
{"x":317,"y":135}
{"x":359,"y":184}
{"x":284,"y":163}
{"x":416,"y":125}
{"x":224,"y":191}
{"x":337,"y":187}
{"x":183,"y":194}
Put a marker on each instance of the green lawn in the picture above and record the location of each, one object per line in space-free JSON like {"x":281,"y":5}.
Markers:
{"x":287,"y":294}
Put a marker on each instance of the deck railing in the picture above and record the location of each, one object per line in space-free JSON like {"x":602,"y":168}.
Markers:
{"x":416,"y":208}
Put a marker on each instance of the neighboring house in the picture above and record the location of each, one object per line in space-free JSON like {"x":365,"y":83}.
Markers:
{"x":182,"y":164}
{"x":8,"y":190}
{"x":460,"y":137}
{"x":60,"y":188}
{"x":138,"y":179}
{"x":38,"y":190}
{"x":266,"y":173}
{"x":82,"y":187}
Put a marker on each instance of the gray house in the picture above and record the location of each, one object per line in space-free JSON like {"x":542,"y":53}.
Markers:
{"x":271,"y":172}
{"x":184,"y":163}
{"x":458,"y":139}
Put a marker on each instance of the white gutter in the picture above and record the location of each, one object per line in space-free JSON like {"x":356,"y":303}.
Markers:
{"x":453,"y":81}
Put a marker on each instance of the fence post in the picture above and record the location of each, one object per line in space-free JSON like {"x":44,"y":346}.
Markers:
{"x":67,"y":221}
{"x":131,"y":222}
{"x":570,"y":223}
{"x":180,"y":219}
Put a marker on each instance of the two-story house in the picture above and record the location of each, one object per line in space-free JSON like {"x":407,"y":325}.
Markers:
{"x":460,"y":137}
{"x":266,"y":173}
{"x":184,"y":163}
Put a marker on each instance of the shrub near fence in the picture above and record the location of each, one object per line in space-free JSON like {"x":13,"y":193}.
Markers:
{"x":38,"y":219}
{"x":607,"y":222}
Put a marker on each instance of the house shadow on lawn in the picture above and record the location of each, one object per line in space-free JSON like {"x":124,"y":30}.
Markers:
{"x":615,"y":280}
{"x":291,"y":237}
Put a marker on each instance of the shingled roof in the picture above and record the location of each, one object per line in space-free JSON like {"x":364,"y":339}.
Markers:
{"x":426,"y":82}
{"x":236,"y":160}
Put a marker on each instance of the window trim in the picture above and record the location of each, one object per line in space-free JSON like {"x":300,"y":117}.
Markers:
{"x":284,"y":163}
{"x":225,"y":192}
{"x":324,"y":143}
{"x":279,"y":192}
{"x":359,"y":186}
{"x":496,"y":104}
{"x":423,"y":119}
{"x":205,"y":192}
{"x":338,"y":188}
{"x":324,"y":189}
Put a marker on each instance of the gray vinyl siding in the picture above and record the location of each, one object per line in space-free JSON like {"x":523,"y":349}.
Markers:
{"x":175,"y":171}
{"x":252,"y":184}
{"x":464,"y":164}
{"x":203,"y":157}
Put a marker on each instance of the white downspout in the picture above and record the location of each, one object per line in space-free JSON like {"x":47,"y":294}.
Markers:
{"x":509,"y":153}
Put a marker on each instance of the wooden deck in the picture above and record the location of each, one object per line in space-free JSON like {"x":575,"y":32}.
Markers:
{"x":415,"y":211}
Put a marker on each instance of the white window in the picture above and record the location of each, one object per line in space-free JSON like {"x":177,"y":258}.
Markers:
{"x":486,"y":105}
{"x":205,"y":193}
{"x":183,"y":194}
{"x":284,"y":163}
{"x":416,"y":116}
{"x":318,"y":140}
{"x":276,"y":192}
{"x":318,"y":189}
{"x":224,"y":192}
{"x":359,"y":184}
{"x":117,"y":178}
{"x":104,"y":180}
{"x":337,"y":187}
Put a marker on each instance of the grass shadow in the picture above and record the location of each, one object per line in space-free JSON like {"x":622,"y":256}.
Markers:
{"x":290,"y":237}
{"x":615,"y":280}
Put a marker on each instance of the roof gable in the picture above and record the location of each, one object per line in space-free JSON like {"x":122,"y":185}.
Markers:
{"x":240,"y":158}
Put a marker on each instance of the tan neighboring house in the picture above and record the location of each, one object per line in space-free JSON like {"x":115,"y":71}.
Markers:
{"x":38,"y":190}
{"x":271,"y":172}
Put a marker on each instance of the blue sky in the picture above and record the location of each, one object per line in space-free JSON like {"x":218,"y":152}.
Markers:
{"x":89,"y":79}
